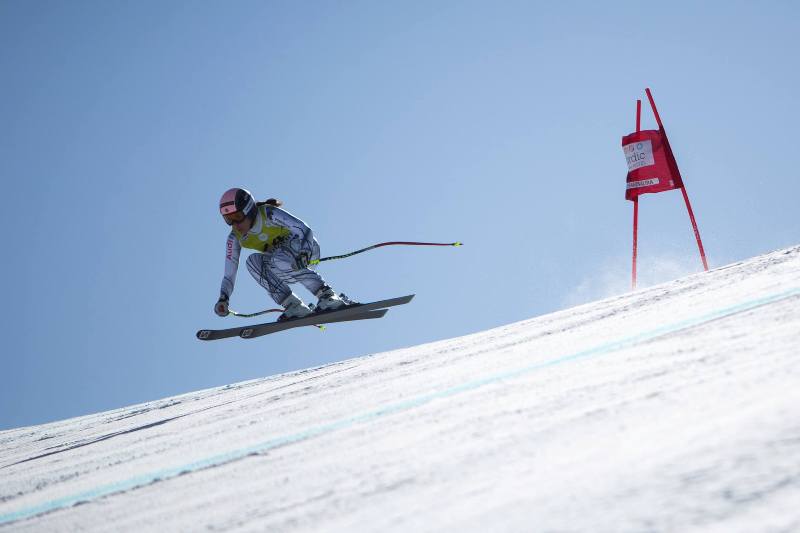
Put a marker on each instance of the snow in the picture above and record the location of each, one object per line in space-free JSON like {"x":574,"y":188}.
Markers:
{"x":673,"y":408}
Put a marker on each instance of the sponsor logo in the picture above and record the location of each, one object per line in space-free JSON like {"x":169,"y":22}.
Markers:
{"x":246,"y":333}
{"x":203,"y":334}
{"x":229,"y":251}
{"x":639,"y":154}
{"x":642,"y":183}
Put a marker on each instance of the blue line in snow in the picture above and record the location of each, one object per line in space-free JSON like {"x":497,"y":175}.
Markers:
{"x":216,"y":460}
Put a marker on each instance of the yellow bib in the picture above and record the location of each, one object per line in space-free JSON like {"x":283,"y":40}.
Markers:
{"x":259,"y":238}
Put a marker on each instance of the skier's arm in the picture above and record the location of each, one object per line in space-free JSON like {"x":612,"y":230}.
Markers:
{"x":232,"y":251}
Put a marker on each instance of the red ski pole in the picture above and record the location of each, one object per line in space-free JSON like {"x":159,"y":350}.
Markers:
{"x":379,"y":245}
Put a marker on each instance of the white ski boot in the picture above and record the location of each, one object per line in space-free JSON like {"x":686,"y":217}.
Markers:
{"x":329,"y":300}
{"x":294,"y":308}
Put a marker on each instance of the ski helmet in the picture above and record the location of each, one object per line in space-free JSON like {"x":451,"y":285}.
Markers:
{"x":236,"y":205}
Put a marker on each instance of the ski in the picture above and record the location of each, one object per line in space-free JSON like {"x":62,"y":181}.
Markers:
{"x":214,"y":334}
{"x":365,"y":311}
{"x":351,"y":312}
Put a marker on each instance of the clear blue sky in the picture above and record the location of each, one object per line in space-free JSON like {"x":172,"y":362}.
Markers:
{"x":494,"y":123}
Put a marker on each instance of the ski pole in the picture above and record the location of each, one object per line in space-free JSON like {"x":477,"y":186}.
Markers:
{"x":231,"y":312}
{"x":251,"y":315}
{"x":333,"y":257}
{"x":392,"y":243}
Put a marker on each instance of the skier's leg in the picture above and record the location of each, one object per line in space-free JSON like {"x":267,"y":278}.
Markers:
{"x":274,"y":273}
{"x":328,"y":300}
{"x":310,"y":279}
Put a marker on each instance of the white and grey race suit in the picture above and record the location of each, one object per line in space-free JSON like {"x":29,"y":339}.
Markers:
{"x":280,"y":239}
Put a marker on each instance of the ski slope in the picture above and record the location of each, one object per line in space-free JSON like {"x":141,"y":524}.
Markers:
{"x":673,"y":408}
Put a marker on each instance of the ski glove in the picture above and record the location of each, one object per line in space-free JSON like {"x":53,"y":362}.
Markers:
{"x":301,"y":260}
{"x":221,"y":307}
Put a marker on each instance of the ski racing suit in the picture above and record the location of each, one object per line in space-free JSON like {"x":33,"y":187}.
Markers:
{"x":279,"y":237}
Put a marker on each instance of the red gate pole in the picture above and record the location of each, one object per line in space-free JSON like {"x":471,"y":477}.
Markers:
{"x":638,"y":116}
{"x":694,"y":227}
{"x":635,"y":241}
{"x":683,"y":186}
{"x":636,"y":205}
{"x":653,"y":106}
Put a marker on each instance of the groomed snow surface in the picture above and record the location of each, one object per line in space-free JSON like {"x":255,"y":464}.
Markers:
{"x":674,"y":408}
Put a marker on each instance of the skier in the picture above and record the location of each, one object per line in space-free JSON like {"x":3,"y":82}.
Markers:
{"x":285,"y":245}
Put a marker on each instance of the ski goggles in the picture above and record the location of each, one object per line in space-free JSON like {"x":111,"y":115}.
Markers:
{"x":234,"y":218}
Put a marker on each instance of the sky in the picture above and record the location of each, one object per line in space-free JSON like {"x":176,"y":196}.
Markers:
{"x":497,"y":124}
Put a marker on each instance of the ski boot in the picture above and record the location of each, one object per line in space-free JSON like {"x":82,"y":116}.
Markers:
{"x":294,"y":308}
{"x":330,"y":301}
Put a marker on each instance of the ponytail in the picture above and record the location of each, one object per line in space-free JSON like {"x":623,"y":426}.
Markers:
{"x":272,"y":201}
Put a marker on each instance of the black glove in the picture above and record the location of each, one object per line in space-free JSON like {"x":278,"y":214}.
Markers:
{"x":221,"y":307}
{"x":301,"y":260}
